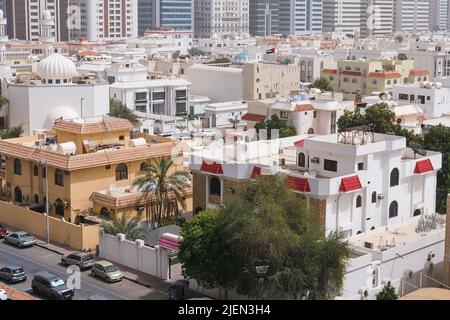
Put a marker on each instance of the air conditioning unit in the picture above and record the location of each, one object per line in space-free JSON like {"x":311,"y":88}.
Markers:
{"x":380,"y":196}
{"x":368,"y":245}
{"x":315,"y":160}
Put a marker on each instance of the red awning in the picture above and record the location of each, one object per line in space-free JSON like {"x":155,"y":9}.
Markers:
{"x":350,"y":184}
{"x":256,"y":172}
{"x":214,"y":167}
{"x":169,"y":241}
{"x":298,"y":184}
{"x":423,"y":166}
{"x":253,"y":117}
{"x":299,"y":143}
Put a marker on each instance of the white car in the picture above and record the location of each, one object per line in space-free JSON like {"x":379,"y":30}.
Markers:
{"x":3,"y":295}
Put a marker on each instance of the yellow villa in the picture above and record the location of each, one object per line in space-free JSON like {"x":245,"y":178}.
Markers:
{"x":91,"y":165}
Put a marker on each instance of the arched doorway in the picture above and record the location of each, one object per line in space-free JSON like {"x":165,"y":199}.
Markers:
{"x":59,"y":208}
{"x":18,"y":195}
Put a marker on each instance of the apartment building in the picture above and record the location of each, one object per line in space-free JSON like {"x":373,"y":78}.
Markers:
{"x":438,"y":15}
{"x":105,"y":20}
{"x":343,"y":16}
{"x":221,"y":18}
{"x":24,"y":18}
{"x":411,"y":15}
{"x":263,"y":17}
{"x":88,"y":165}
{"x":298,"y":17}
{"x":362,"y":77}
{"x":249,"y":81}
{"x":175,"y":14}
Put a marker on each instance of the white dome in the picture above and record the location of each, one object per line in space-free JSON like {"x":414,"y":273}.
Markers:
{"x":56,"y":66}
{"x":55,"y":114}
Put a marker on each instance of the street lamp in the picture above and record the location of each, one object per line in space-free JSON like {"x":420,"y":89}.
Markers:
{"x":47,"y":222}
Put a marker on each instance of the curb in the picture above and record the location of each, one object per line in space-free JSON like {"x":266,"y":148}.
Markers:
{"x":47,"y":248}
{"x":139,"y":282}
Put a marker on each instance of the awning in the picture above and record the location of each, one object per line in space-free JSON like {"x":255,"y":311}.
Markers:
{"x":170,"y":241}
{"x":299,"y":144}
{"x":423,"y":166}
{"x":214,"y":167}
{"x":350,"y":184}
{"x":298,"y":184}
{"x":253,"y":117}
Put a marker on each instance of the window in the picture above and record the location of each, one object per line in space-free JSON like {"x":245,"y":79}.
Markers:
{"x":121,"y":172}
{"x":393,"y":209}
{"x":358,"y":201}
{"x":59,"y":178}
{"x":144,"y":166}
{"x":395,"y":175}
{"x":17,"y":167}
{"x":36,"y":198}
{"x":59,"y":207}
{"x":301,"y":159}
{"x":314,"y":114}
{"x":403,"y":96}
{"x":330,"y":165}
{"x":159,"y":95}
{"x":141,"y":96}
{"x":374,"y":197}
{"x":44,"y":174}
{"x":310,"y":131}
{"x":214,"y":187}
{"x":284,"y":114}
{"x":374,"y":81}
{"x":35,"y":171}
{"x":417,"y":212}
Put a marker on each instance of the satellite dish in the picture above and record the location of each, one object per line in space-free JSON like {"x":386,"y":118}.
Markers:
{"x":417,"y":149}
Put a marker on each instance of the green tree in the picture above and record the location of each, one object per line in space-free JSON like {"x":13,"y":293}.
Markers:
{"x":119,"y":110}
{"x":322,"y":83}
{"x":387,"y":293}
{"x":3,"y":102}
{"x":10,"y":133}
{"x":275,"y":123}
{"x":263,"y":226}
{"x":129,"y":227}
{"x":220,"y":60}
{"x":351,"y":119}
{"x":163,"y":191}
{"x":380,"y":118}
{"x":193,"y":52}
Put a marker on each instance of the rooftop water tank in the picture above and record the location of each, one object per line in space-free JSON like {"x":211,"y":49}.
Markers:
{"x":67,"y":148}
{"x":138,"y":142}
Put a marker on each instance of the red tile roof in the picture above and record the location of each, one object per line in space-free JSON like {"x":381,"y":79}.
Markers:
{"x":299,"y":143}
{"x":423,"y":166}
{"x":417,"y":72}
{"x":304,"y":107}
{"x":255,"y":172}
{"x":253,"y":117}
{"x":351,"y":73}
{"x":350,"y":184}
{"x":329,"y":71}
{"x":214,"y":167}
{"x":105,"y":125}
{"x":298,"y":184}
{"x":387,"y":75}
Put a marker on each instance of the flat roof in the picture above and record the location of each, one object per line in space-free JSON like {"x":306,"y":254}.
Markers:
{"x":428,"y":294}
{"x":150,"y":83}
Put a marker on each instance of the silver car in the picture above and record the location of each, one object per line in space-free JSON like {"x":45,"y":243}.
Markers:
{"x":20,"y":239}
{"x":106,"y":270}
{"x":84,"y":260}
{"x":13,"y":274}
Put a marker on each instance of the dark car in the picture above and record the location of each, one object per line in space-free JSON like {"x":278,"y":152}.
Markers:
{"x":13,"y":274}
{"x":84,"y":260}
{"x":3,"y":231}
{"x":51,"y":286}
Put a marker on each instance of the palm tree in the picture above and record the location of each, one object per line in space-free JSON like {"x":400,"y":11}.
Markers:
{"x":163,"y":193}
{"x":3,"y":101}
{"x":130,"y":228}
{"x":235,"y":119}
{"x":10,"y":133}
{"x":119,"y":110}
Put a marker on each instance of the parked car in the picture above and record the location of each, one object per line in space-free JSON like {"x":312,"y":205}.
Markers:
{"x":107,"y":271}
{"x":3,"y":231}
{"x":51,"y":286}
{"x":84,"y":260}
{"x":13,"y":274}
{"x":3,"y":295}
{"x":20,"y":239}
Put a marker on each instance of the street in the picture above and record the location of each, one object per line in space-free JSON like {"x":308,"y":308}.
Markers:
{"x":36,"y":259}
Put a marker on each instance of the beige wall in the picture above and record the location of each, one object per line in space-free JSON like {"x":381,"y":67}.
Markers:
{"x":96,"y":138}
{"x":75,"y":236}
{"x":447,"y":246}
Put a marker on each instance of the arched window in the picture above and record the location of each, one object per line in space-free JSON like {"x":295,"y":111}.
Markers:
{"x":214,"y":186}
{"x":35,"y":171}
{"x":405,"y":80}
{"x":59,"y":207}
{"x":301,"y":159}
{"x":144,"y":166}
{"x":358,"y":201}
{"x":17,"y":167}
{"x":18,"y":195}
{"x":389,"y":82}
{"x":59,"y":178}
{"x":395,"y":175}
{"x":417,"y":212}
{"x":121,"y":172}
{"x":374,"y":197}
{"x":393,"y":209}
{"x":310,"y":131}
{"x":419,"y":79}
{"x":36,"y":198}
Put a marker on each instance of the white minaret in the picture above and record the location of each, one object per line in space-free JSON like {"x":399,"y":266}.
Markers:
{"x":3,"y":38}
{"x":46,"y":37}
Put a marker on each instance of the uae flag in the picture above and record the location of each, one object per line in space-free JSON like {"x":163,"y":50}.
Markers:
{"x":273,"y":50}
